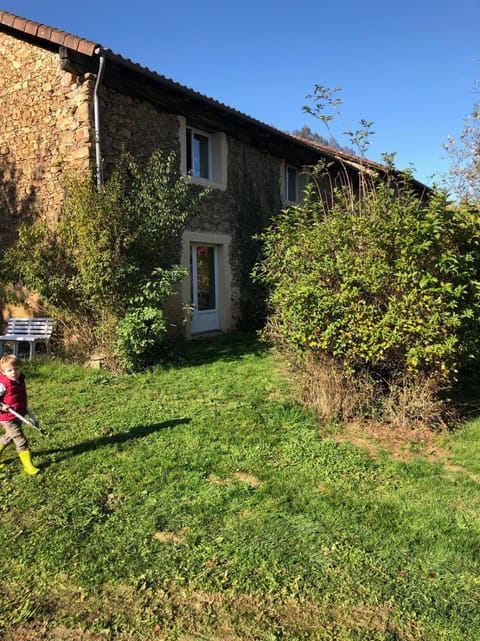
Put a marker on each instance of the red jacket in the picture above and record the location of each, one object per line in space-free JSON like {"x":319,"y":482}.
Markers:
{"x":15,"y":396}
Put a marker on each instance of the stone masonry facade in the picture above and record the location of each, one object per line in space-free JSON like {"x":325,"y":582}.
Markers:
{"x":46,"y":126}
{"x":47,"y":129}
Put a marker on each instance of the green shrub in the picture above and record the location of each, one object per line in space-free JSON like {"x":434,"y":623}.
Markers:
{"x":141,"y":334}
{"x":385,"y":284}
{"x":90,"y":266}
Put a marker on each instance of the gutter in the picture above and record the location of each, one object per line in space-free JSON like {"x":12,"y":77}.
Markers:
{"x":96,"y":108}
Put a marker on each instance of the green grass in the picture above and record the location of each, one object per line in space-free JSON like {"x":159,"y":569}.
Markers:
{"x":200,"y":502}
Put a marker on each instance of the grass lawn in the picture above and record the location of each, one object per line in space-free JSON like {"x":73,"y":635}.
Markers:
{"x":199,"y":502}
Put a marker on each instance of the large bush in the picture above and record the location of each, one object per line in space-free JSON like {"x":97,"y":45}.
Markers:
{"x":381,"y":288}
{"x":110,"y":257}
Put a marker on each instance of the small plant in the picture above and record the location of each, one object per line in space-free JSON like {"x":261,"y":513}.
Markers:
{"x":141,"y":334}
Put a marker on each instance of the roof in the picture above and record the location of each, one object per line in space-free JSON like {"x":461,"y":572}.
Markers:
{"x":50,"y":34}
{"x":122,"y":73}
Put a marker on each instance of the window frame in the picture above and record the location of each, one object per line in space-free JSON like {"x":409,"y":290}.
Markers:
{"x":195,"y":166}
{"x":289,"y":169}
{"x":217,"y":152}
{"x":300,"y":183}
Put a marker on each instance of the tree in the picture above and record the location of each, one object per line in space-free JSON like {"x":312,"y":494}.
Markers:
{"x":464,"y":175}
{"x":306,"y":133}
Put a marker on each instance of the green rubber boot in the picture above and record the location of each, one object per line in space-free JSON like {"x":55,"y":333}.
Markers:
{"x":28,"y":466}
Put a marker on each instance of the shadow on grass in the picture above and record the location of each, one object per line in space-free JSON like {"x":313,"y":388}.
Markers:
{"x":465,"y":396}
{"x":140,"y":431}
{"x":222,"y":347}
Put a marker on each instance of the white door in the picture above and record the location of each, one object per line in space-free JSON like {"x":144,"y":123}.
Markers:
{"x":204,"y":265}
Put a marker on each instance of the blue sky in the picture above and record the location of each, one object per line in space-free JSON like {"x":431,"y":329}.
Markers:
{"x":410,"y":67}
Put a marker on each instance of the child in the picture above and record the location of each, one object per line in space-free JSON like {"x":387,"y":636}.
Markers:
{"x":15,"y":396}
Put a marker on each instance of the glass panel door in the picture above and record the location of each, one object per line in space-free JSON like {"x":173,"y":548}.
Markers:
{"x":204,"y":269}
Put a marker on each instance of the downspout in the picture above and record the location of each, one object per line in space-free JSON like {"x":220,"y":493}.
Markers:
{"x":96,"y":108}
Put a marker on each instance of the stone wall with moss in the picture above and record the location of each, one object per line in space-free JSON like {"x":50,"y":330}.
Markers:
{"x":243,"y":210}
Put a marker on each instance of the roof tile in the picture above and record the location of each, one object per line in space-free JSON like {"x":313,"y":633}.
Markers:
{"x":8,"y":19}
{"x":86,"y":47}
{"x":71,"y":41}
{"x":57,"y":36}
{"x":44,"y":32}
{"x":19,"y":23}
{"x":31,"y":27}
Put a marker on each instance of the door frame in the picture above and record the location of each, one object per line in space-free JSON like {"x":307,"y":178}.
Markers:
{"x":207,"y":320}
{"x":226,"y":292}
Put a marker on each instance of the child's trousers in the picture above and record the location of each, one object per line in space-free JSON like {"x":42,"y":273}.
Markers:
{"x":13,"y":432}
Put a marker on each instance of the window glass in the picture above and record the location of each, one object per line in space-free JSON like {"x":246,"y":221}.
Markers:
{"x":198,"y":154}
{"x":291,"y":185}
{"x":201,"y":156}
{"x":205,"y":278}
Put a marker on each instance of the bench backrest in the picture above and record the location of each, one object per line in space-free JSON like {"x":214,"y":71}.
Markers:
{"x":30,"y":326}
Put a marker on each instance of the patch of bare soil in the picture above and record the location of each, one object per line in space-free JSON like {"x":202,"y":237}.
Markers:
{"x":177,"y":538}
{"x":248,"y":479}
{"x":401,"y":443}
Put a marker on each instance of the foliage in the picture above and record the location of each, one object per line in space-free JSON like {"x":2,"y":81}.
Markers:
{"x":375,"y":283}
{"x":106,"y":245}
{"x":141,"y":333}
{"x":464,"y":174}
{"x":326,"y":98}
{"x":307,"y":134}
{"x":200,"y":502}
{"x":384,"y":283}
{"x":253,"y":210}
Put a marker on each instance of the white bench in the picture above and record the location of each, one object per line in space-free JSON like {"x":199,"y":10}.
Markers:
{"x":27,"y":330}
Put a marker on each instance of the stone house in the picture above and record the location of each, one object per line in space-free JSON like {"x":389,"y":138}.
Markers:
{"x":68,"y":102}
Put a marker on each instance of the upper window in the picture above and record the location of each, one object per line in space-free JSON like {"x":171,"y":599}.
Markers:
{"x":198,"y":154}
{"x":291,"y":184}
{"x":294,"y":182}
{"x":203,"y":155}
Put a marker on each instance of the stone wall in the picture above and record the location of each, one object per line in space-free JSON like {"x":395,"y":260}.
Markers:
{"x":135,"y":126}
{"x":45,"y":126}
{"x":242,"y":210}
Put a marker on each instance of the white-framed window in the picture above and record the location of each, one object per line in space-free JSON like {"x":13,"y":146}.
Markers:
{"x":293,"y":183}
{"x":199,"y":154}
{"x":203,"y":155}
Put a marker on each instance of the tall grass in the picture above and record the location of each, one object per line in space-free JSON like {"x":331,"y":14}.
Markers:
{"x":200,"y":502}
